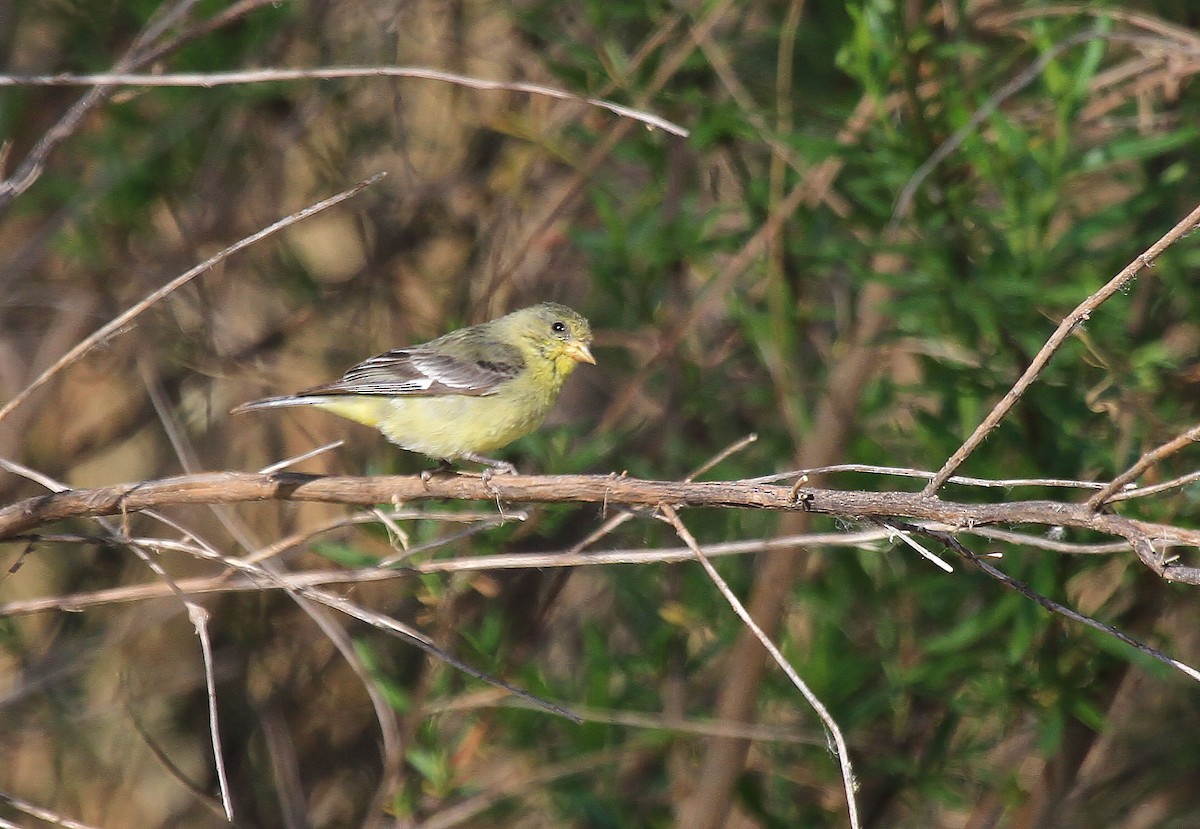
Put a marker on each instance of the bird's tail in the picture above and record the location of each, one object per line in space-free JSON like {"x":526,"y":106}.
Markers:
{"x":279,"y":402}
{"x":366,"y":409}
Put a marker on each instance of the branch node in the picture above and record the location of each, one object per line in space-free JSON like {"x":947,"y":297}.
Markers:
{"x":803,"y":499}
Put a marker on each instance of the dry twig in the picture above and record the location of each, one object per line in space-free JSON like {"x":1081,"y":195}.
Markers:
{"x":1056,"y":340}
{"x":208,"y":80}
{"x":122,"y":321}
{"x":835,"y":732}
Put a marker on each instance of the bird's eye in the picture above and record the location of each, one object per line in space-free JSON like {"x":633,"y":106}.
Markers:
{"x":559,"y":327}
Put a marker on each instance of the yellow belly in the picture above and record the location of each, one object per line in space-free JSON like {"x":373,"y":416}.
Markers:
{"x":445,"y":426}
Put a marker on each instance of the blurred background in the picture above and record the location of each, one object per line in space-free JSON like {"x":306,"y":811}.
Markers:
{"x":768,"y":274}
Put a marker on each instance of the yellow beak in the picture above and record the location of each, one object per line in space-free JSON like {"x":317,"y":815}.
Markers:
{"x":579,"y":352}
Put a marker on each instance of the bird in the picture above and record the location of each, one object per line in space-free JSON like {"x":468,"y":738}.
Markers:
{"x":464,"y":394}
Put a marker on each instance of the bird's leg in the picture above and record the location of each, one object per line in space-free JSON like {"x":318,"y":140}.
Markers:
{"x":444,"y":467}
{"x":494,"y":466}
{"x":485,"y":478}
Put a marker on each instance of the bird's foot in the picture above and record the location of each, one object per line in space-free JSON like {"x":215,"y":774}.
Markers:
{"x":493,"y":466}
{"x":444,"y":467}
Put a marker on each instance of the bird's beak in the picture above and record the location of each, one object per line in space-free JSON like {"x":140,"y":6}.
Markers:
{"x":580,"y":352}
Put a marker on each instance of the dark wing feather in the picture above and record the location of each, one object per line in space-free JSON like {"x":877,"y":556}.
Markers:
{"x":425,"y":371}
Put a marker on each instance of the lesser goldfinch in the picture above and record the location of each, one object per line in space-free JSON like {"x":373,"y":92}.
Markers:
{"x":464,"y":394}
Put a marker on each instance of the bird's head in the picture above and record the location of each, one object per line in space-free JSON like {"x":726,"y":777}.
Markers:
{"x":557,"y":334}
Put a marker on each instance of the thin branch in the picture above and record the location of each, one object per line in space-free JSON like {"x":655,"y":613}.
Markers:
{"x":728,"y":451}
{"x":1154,"y":489}
{"x":230,"y":14}
{"x":908,"y":472}
{"x":906,"y":537}
{"x":31,"y":167}
{"x":843,"y":754}
{"x":199,"y":619}
{"x":1075,"y":318}
{"x":208,"y":80}
{"x":947,"y":148}
{"x":294,"y":540}
{"x":384,"y":712}
{"x":465,"y":811}
{"x":233,"y":583}
{"x":123,"y":320}
{"x":1144,"y":462}
{"x":145,"y":50}
{"x":653,"y":721}
{"x":38,"y":812}
{"x":163,"y":756}
{"x":306,"y":595}
{"x":482,"y":525}
{"x":1054,"y":607}
{"x":416,"y":637}
{"x":304,"y":456}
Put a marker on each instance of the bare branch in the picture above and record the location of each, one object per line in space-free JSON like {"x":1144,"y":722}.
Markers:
{"x":122,"y":320}
{"x":1076,"y":317}
{"x":144,"y":49}
{"x":207,"y":80}
{"x":238,"y":487}
{"x":229,"y":583}
{"x":1054,"y":607}
{"x":1132,"y":492}
{"x":38,"y":812}
{"x":905,"y":536}
{"x":196,"y":614}
{"x":1144,"y":462}
{"x":947,"y":148}
{"x":835,"y":732}
{"x":908,"y":472}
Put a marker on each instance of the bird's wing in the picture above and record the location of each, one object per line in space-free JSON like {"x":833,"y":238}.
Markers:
{"x":424,"y":371}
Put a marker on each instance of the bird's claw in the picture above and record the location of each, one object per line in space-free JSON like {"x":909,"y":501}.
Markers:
{"x":444,"y":467}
